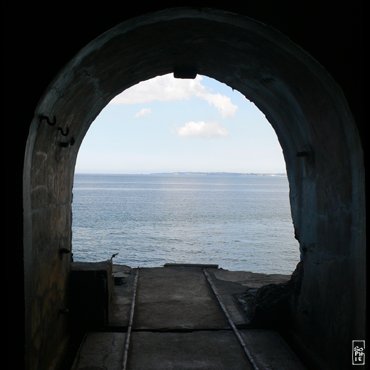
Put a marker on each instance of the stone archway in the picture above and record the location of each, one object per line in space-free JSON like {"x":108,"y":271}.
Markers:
{"x":306,"y":108}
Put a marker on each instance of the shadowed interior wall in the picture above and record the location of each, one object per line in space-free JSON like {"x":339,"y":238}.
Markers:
{"x":315,"y":128}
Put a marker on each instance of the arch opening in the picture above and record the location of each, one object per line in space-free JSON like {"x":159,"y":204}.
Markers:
{"x":320,"y":143}
{"x":183,"y":171}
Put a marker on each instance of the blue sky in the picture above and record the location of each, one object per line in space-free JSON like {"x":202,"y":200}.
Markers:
{"x":172,"y":125}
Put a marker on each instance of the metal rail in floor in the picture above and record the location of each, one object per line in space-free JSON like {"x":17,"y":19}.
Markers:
{"x":230,"y":321}
{"x":130,"y":323}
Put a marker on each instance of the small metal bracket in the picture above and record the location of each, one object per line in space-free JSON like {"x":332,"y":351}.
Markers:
{"x":42,"y":118}
{"x":65,"y":144}
{"x":185,"y":72}
{"x":64,"y":133}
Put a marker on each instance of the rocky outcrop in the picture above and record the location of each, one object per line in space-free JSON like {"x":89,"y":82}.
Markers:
{"x":270,"y":305}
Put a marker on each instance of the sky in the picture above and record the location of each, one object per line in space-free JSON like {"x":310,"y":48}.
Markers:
{"x":180,"y":125}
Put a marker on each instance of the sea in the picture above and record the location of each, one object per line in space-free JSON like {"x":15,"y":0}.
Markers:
{"x":242,"y":222}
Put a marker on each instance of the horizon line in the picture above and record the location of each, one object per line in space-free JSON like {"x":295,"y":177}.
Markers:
{"x":181,"y":173}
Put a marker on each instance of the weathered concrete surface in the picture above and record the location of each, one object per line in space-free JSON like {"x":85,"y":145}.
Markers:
{"x":232,"y":284}
{"x":203,"y":350}
{"x":176,"y":298}
{"x":121,"y":297}
{"x":100,"y":351}
{"x":270,"y":351}
{"x":249,"y":279}
{"x":213,"y":348}
{"x":271,"y":305}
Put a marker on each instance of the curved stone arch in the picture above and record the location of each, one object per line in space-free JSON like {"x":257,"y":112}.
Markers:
{"x":304,"y":105}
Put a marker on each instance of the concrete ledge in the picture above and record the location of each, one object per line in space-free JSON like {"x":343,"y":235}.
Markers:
{"x":90,"y":294}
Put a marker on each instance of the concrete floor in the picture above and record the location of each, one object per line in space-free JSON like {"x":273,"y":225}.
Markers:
{"x":101,"y":351}
{"x":176,"y":298}
{"x":178,"y":325}
{"x":211,"y":350}
{"x":121,"y":298}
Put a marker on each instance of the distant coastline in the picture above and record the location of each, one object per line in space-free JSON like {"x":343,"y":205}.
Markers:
{"x":183,"y":174}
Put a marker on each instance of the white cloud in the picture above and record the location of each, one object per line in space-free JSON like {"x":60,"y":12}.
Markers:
{"x":168,"y":88}
{"x":202,"y":129}
{"x":221,"y":102}
{"x":143,"y":112}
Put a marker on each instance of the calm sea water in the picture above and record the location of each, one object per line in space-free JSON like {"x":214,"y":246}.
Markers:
{"x":241,"y":222}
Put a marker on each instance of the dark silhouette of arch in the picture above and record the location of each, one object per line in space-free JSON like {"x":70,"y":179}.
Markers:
{"x":309,"y":113}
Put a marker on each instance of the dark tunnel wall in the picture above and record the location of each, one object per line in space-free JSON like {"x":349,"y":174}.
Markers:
{"x":39,"y":41}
